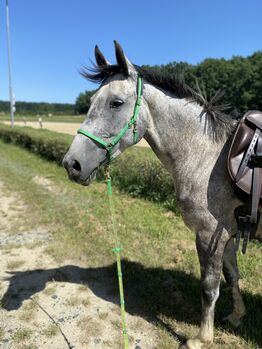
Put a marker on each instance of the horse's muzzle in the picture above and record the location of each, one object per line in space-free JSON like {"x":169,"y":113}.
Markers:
{"x":73,"y":168}
{"x":75,"y":171}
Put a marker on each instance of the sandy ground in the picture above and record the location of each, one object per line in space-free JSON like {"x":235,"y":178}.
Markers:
{"x":47,"y":305}
{"x":63,"y":127}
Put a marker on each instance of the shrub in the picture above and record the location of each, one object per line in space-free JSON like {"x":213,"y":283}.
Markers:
{"x":140,"y":173}
{"x":137,"y":171}
{"x":50,"y":145}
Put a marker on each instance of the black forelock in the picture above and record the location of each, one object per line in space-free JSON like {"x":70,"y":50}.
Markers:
{"x":100,"y":73}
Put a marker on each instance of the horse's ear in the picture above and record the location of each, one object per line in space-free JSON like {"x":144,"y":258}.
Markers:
{"x":100,"y":58}
{"x":122,"y":61}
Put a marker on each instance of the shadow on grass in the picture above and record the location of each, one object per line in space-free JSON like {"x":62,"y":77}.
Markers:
{"x":149,"y":293}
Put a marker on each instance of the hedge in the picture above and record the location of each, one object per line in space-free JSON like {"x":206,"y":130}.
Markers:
{"x":50,"y":145}
{"x":137,"y":171}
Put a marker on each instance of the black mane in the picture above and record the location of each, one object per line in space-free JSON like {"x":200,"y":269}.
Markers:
{"x":217,"y":122}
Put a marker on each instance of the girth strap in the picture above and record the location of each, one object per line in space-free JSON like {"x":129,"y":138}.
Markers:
{"x":247,"y":157}
{"x":245,"y":229}
{"x":256,"y":183}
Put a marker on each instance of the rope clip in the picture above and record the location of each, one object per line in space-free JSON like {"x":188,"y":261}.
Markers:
{"x":107,"y":172}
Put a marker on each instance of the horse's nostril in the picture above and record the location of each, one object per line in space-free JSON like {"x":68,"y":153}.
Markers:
{"x":76,"y":166}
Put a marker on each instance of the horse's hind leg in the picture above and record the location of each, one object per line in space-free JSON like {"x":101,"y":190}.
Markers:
{"x":230,"y":270}
{"x":210,"y":252}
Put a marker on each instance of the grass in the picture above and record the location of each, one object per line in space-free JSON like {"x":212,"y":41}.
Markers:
{"x":45,"y":118}
{"x":2,"y":333}
{"x":21,"y":335}
{"x":160,"y":266}
{"x":90,"y":329}
{"x":49,"y":291}
{"x":51,"y":331}
{"x":73,"y":301}
{"x":103,"y":315}
{"x":29,"y":310}
{"x":12,"y":265}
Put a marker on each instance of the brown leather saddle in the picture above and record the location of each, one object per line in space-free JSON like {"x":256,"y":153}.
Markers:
{"x":245,"y":169}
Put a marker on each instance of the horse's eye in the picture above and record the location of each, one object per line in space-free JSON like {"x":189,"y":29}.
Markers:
{"x":116,"y":103}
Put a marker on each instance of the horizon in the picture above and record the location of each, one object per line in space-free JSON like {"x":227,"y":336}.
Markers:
{"x":49,"y":45}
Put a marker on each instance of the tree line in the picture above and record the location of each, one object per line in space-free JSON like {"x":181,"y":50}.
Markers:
{"x":42,"y":108}
{"x":239,"y":77}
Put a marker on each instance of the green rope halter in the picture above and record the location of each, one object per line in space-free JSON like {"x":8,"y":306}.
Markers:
{"x":109,"y":147}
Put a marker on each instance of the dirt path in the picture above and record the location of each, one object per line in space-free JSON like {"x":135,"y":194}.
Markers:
{"x":63,"y":127}
{"x":47,"y":305}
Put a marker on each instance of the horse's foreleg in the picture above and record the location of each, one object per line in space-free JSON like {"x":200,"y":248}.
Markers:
{"x":230,"y":270}
{"x":210,"y":252}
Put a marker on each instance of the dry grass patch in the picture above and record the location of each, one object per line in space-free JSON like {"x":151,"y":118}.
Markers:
{"x":103,"y":315}
{"x":89,"y":329}
{"x":34,"y":244}
{"x":21,"y":335}
{"x":7,"y":248}
{"x":2,"y":333}
{"x":49,"y":291}
{"x":29,"y":310}
{"x":135,"y":324}
{"x":50,"y":331}
{"x":85,"y":302}
{"x":116,"y":324}
{"x":82,"y":288}
{"x":109,"y":344}
{"x":165,"y":340}
{"x":12,"y":265}
{"x":73,"y":301}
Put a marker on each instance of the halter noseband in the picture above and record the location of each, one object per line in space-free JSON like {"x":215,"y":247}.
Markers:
{"x":110,"y":145}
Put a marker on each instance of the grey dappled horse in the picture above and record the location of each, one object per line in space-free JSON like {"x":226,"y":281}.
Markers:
{"x":191,"y":137}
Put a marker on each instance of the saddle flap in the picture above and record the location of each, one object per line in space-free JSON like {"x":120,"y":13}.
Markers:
{"x":240,"y":144}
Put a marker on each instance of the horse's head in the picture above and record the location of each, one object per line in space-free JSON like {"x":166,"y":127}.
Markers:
{"x":115,"y":119}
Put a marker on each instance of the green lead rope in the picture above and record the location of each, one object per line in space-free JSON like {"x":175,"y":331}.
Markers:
{"x":117,"y":250}
{"x":109,"y":148}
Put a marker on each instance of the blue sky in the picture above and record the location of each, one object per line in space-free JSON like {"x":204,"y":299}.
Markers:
{"x":51,"y":39}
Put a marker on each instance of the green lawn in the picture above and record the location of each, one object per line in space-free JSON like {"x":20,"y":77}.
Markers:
{"x":161,"y":271}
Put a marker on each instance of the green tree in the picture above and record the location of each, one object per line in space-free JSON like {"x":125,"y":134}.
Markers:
{"x":239,"y":77}
{"x":83,"y":102}
{"x":34,"y":108}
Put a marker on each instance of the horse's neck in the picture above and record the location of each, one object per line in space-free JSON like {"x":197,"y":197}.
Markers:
{"x":177,"y":136}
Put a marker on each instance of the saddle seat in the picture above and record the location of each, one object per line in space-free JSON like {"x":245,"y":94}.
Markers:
{"x":245,"y":169}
